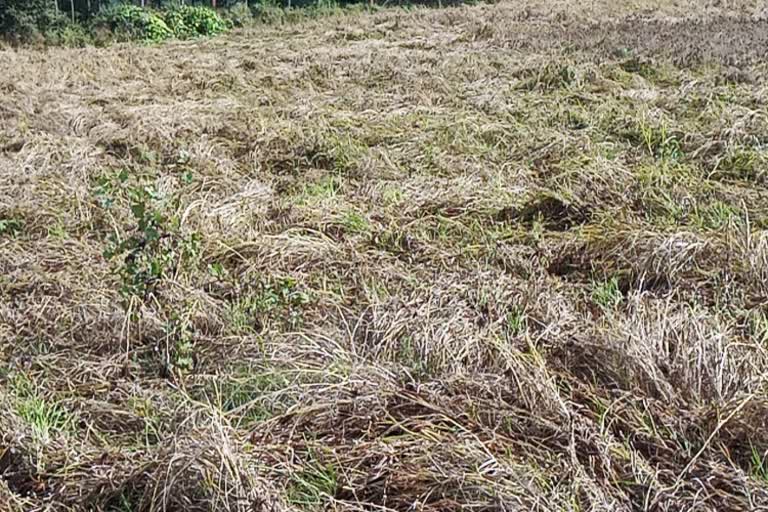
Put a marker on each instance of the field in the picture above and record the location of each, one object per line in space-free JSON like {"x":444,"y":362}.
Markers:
{"x":494,"y":257}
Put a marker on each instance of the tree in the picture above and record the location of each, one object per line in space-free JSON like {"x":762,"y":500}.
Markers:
{"x":23,"y":19}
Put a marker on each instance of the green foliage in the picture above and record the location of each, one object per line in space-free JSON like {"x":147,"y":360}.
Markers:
{"x":155,"y":247}
{"x":759,"y":462}
{"x":244,"y":395}
{"x":607,"y":294}
{"x":10,"y":226}
{"x":642,"y":67}
{"x":716,"y":215}
{"x":740,"y":164}
{"x":44,"y":417}
{"x":129,"y":22}
{"x":517,"y":322}
{"x":179,"y":345}
{"x":272,"y":300}
{"x":550,"y":77}
{"x":313,"y":485}
{"x":659,"y":141}
{"x":239,"y":15}
{"x":187,"y":21}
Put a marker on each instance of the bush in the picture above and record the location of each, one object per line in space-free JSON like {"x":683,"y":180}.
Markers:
{"x":186,"y":21}
{"x":70,"y":35}
{"x":129,"y":22}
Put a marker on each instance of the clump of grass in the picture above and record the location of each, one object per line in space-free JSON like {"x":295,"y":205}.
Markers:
{"x":740,"y":164}
{"x":246,"y":395}
{"x":10,"y":227}
{"x":516,"y":322}
{"x":313,"y":485}
{"x":640,"y":66}
{"x":607,"y":294}
{"x":759,"y":463}
{"x":658,"y":140}
{"x":551,"y":77}
{"x":46,"y":418}
{"x":355,"y":223}
{"x":716,"y":216}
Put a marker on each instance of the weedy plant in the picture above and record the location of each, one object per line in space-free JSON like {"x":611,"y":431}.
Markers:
{"x":151,"y":250}
{"x":270,"y":302}
{"x":659,"y":140}
{"x":154,"y":247}
{"x":10,"y":227}
{"x":132,"y":22}
{"x":607,"y":294}
{"x":44,"y":417}
{"x":188,"y":21}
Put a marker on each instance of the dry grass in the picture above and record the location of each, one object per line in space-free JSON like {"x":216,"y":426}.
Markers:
{"x":507,"y":257}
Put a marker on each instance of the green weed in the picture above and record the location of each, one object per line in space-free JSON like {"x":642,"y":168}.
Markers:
{"x":759,"y":462}
{"x":243,"y":395}
{"x":659,"y":141}
{"x":739,"y":164}
{"x":154,"y":247}
{"x":516,"y":322}
{"x":10,"y":226}
{"x":355,"y":223}
{"x":313,"y":485}
{"x":715,"y":216}
{"x":607,"y":294}
{"x":642,"y":67}
{"x":551,"y":77}
{"x":45,"y":418}
{"x":272,"y":301}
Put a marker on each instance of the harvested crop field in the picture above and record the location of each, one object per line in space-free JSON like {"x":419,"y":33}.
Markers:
{"x":498,"y":257}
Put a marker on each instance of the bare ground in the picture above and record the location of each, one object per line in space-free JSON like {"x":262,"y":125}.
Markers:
{"x":507,"y":257}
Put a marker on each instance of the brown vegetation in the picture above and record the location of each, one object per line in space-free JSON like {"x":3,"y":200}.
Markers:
{"x":508,"y":257}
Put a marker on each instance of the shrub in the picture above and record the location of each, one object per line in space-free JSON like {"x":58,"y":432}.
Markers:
{"x":70,"y":35}
{"x":129,"y":22}
{"x":186,"y":21}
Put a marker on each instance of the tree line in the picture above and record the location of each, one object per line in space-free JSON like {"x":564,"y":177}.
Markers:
{"x":84,"y":9}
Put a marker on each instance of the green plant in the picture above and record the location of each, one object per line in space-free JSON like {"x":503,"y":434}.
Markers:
{"x":607,"y":294}
{"x":244,"y":394}
{"x":659,"y":141}
{"x":44,"y":417}
{"x":355,"y":223}
{"x":239,"y":15}
{"x":642,"y":67}
{"x":71,"y":35}
{"x":154,"y":247}
{"x":187,"y":21}
{"x":551,"y":77}
{"x":516,"y":322}
{"x":10,"y":226}
{"x":180,"y":355}
{"x":716,"y":215}
{"x":740,"y":164}
{"x":134,"y":23}
{"x":758,"y":326}
{"x":270,"y":301}
{"x":313,"y":485}
{"x":25,"y":21}
{"x":759,"y":463}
